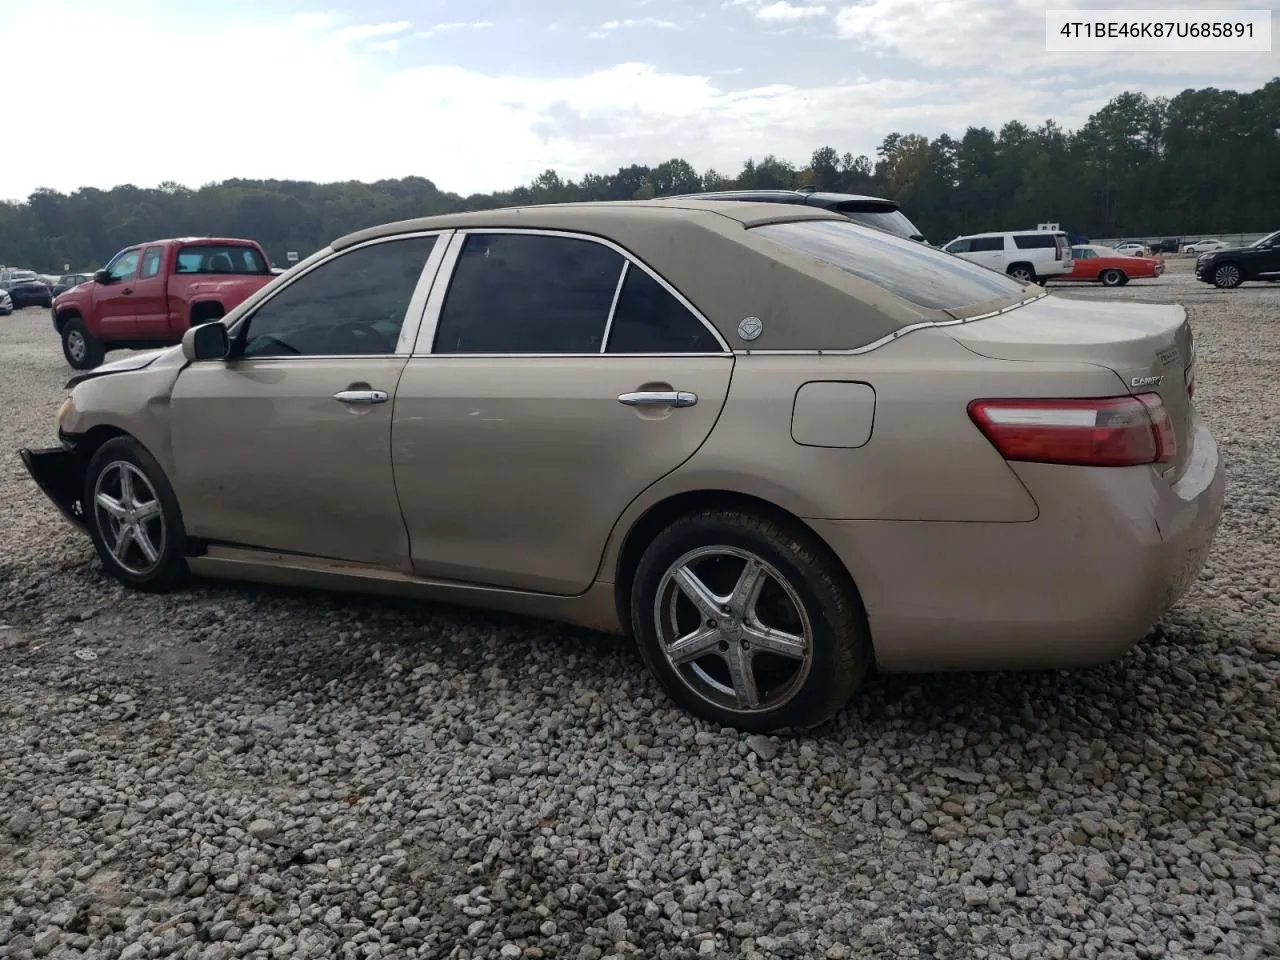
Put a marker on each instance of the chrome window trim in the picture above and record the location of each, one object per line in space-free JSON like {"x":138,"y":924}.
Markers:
{"x":426,"y":338}
{"x":889,"y":337}
{"x":613,"y":307}
{"x":430,"y":267}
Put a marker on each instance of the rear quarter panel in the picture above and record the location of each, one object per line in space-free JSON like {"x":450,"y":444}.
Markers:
{"x":925,"y":459}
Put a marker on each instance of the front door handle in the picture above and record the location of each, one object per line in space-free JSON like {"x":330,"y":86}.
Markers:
{"x":361,"y":396}
{"x":127,"y":290}
{"x":659,"y":398}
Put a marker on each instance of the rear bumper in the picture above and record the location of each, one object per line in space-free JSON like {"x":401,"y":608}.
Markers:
{"x":1111,"y":550}
{"x":59,"y":472}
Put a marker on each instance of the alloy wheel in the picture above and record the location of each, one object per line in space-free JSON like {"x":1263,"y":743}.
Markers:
{"x":76,"y":345}
{"x":130,"y":517}
{"x":1227,"y":275}
{"x":733,"y":629}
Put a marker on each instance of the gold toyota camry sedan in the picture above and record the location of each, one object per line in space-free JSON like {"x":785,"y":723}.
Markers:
{"x":774,"y":446}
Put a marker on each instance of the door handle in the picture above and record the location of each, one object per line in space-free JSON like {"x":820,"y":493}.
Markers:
{"x":361,"y":396}
{"x":127,"y":290}
{"x":659,"y":398}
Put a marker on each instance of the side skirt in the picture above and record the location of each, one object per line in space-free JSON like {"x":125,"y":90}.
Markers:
{"x":593,"y":609}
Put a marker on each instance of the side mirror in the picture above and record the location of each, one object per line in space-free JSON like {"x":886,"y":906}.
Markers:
{"x":102,"y":276}
{"x":208,"y":341}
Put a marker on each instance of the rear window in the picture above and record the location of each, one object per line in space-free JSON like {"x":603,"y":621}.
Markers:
{"x":220,"y":258}
{"x":1035,"y":241}
{"x":917,"y":273}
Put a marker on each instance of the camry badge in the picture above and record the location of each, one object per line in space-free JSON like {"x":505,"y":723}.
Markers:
{"x":1145,"y":381}
{"x":750,"y":327}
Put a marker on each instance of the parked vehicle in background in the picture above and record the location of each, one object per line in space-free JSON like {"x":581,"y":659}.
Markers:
{"x":6,"y":303}
{"x":1167,"y":245}
{"x":878,"y":212}
{"x":27,"y":291}
{"x":148,"y":295}
{"x":69,"y":280}
{"x":1103,"y":265}
{"x":1026,"y":255}
{"x":1132,"y":248}
{"x":1232,"y":266}
{"x":1204,"y":246}
{"x":754,"y":442}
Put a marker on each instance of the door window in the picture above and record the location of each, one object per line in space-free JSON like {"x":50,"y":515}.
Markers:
{"x":351,"y":305}
{"x":528,"y":293}
{"x":123,"y":267}
{"x":986,"y":244}
{"x":150,"y":263}
{"x":958,"y":246}
{"x":649,"y":319}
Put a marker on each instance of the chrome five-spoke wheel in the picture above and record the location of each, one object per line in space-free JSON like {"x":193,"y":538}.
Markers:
{"x":749,"y":620}
{"x":130,"y":517}
{"x":733,"y":628}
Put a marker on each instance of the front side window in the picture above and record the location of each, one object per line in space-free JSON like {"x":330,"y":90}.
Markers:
{"x":958,"y":246}
{"x":649,"y":319}
{"x":917,"y":273}
{"x":124,"y":265}
{"x":351,"y":305}
{"x":150,"y":262}
{"x":528,"y":293}
{"x":220,"y":258}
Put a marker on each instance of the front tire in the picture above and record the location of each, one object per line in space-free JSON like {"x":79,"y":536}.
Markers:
{"x":81,"y":349}
{"x":748,"y":622}
{"x":1227,"y":276}
{"x":1113,"y":278}
{"x":133,"y":517}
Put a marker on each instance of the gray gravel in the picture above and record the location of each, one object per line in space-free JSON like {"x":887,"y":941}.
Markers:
{"x":243,"y":771}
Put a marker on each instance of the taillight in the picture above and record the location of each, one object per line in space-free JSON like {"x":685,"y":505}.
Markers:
{"x":1101,"y":432}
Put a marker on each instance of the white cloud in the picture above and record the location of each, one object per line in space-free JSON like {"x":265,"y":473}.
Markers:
{"x":474,"y":25}
{"x":639,"y":22}
{"x":333,"y":108}
{"x":371,"y":31}
{"x":790,"y":12}
{"x":1008,"y":37}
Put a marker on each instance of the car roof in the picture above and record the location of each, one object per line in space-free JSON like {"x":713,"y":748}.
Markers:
{"x":818,"y":197}
{"x":1004,"y":233}
{"x":706,"y":250}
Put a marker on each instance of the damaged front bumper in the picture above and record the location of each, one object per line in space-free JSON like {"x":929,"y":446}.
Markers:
{"x":59,"y":472}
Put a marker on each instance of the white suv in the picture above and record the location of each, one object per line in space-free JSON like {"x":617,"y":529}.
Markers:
{"x":1026,"y":255}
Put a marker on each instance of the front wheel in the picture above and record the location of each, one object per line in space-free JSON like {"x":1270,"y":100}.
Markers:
{"x":82,"y":349}
{"x":1228,"y":276}
{"x":1112,"y":278}
{"x":133,"y":517}
{"x":748,"y":622}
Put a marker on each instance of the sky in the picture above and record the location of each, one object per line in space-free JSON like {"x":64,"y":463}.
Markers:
{"x":481,"y":95}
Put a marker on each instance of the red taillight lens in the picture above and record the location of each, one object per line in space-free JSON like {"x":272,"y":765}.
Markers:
{"x":1102,"y":432}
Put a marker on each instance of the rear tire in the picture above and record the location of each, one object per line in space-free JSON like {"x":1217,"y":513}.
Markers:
{"x":133,"y":517}
{"x":1227,"y":276}
{"x":1113,"y":278}
{"x":81,"y":349}
{"x":1022,"y":272}
{"x":788,"y":651}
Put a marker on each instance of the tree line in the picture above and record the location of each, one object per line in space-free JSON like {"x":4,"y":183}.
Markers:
{"x":1140,"y":166}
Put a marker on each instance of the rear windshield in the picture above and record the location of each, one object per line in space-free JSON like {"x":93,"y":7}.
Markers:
{"x":890,"y":221}
{"x":917,"y":273}
{"x":220,"y":258}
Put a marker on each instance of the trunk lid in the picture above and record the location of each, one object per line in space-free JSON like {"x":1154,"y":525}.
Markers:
{"x":1149,"y":346}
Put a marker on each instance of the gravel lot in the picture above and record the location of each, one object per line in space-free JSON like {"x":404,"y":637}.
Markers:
{"x":244,"y":771}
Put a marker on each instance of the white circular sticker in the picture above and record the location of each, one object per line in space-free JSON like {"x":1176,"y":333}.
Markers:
{"x":750,"y":327}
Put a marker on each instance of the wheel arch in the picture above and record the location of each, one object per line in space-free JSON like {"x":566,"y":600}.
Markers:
{"x":662,"y":513}
{"x":203,"y":311}
{"x":63,"y":316}
{"x":1014,"y":264}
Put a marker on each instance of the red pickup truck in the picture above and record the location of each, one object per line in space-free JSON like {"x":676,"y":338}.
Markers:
{"x":150,"y":293}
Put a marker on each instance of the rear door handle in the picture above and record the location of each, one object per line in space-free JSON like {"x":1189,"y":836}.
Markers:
{"x":361,"y":396}
{"x":659,"y":398}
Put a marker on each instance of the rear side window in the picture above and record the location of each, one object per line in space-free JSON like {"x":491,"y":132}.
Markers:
{"x":649,"y":319}
{"x":983,"y":244}
{"x":918,"y":274}
{"x":150,"y":262}
{"x":220,"y":258}
{"x":525,"y":293}
{"x":1035,"y":241}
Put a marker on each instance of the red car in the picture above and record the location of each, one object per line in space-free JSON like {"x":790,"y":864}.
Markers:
{"x":1111,"y":269}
